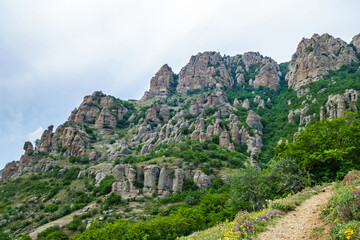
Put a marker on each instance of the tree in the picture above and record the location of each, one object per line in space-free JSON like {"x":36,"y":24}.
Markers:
{"x":327,"y":149}
{"x":250,"y":189}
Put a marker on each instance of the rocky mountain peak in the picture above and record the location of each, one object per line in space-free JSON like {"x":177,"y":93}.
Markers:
{"x":204,"y":69}
{"x":356,"y":42}
{"x":160,"y":83}
{"x":315,"y":56}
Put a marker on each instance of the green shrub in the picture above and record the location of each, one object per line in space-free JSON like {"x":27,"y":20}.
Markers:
{"x":104,"y":186}
{"x":74,"y":224}
{"x":51,"y":207}
{"x":113,"y":199}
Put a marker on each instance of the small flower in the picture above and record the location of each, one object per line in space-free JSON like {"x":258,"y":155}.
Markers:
{"x":335,"y":220}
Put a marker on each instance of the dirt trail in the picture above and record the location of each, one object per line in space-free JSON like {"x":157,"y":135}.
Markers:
{"x":61,"y":221}
{"x":298,"y":224}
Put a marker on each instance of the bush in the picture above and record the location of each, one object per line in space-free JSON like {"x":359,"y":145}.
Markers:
{"x":47,"y":231}
{"x":249,"y":189}
{"x":74,"y":224}
{"x":51,"y":207}
{"x":104,"y":186}
{"x":72,"y":173}
{"x":113,"y":199}
{"x":286,"y":176}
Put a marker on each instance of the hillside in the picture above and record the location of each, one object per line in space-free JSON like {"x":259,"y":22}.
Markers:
{"x":174,"y":151}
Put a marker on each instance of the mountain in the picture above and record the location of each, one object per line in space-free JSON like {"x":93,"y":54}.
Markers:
{"x":218,"y":114}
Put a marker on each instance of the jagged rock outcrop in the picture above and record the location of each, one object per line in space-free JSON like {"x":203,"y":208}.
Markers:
{"x":151,"y":175}
{"x":315,"y":56}
{"x":246,"y":104}
{"x":45,"y":140}
{"x":356,"y":42}
{"x":201,"y":179}
{"x":28,"y":147}
{"x":178,"y":181}
{"x":268,"y":76}
{"x":204,"y":69}
{"x":165,"y":181}
{"x":10,"y":170}
{"x":125,"y":177}
{"x":336,"y":105}
{"x":100,"y":109}
{"x":253,"y":120}
{"x":160,"y":84}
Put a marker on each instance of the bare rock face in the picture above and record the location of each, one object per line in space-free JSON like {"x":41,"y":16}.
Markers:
{"x":105,"y":118}
{"x":99,"y":109}
{"x":151,"y":174}
{"x":268,"y":76}
{"x":178,"y":181}
{"x":201,"y":179}
{"x":250,"y":58}
{"x":45,"y":140}
{"x":337,"y":104}
{"x":246,"y":104}
{"x":356,"y":42}
{"x":165,"y":182}
{"x":10,"y":170}
{"x":153,"y":112}
{"x":125,"y":177}
{"x":315,"y":56}
{"x":28,"y":147}
{"x":224,"y":139}
{"x":253,"y":120}
{"x":160,"y":83}
{"x":204,"y":69}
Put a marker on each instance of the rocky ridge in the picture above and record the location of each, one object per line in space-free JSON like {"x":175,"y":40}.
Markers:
{"x":104,"y":128}
{"x":314,"y":56}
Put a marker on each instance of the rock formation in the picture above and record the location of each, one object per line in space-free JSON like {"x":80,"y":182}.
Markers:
{"x":162,"y":182}
{"x":315,"y":56}
{"x":336,"y":105}
{"x":253,"y":120}
{"x":160,"y":84}
{"x":356,"y":42}
{"x":204,"y":69}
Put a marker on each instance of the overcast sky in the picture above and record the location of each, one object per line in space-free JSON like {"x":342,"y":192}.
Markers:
{"x":53,"y":53}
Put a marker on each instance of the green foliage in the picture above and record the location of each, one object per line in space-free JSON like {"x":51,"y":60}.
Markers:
{"x":75,"y":224}
{"x":78,"y":159}
{"x":61,"y":212}
{"x":24,"y":237}
{"x":286,"y":176}
{"x":51,"y":207}
{"x":113,"y":199}
{"x":327,"y":149}
{"x":104,"y":186}
{"x":4,"y":236}
{"x":249,"y":189}
{"x":189,"y":184}
{"x":343,"y":208}
{"x":47,"y":231}
{"x":72,"y":173}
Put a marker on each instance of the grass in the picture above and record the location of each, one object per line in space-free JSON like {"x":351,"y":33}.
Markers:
{"x":343,"y":210}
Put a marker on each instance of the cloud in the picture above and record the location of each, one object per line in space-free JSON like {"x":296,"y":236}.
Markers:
{"x":35,"y":134}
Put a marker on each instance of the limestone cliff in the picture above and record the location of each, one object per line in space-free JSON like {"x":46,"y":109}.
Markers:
{"x":204,"y":69}
{"x":160,"y":84}
{"x":314,"y":56}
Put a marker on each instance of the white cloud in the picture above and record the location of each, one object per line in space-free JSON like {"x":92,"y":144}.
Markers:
{"x":35,"y":134}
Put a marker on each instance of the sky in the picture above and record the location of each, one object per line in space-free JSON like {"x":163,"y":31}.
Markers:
{"x":53,"y":53}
